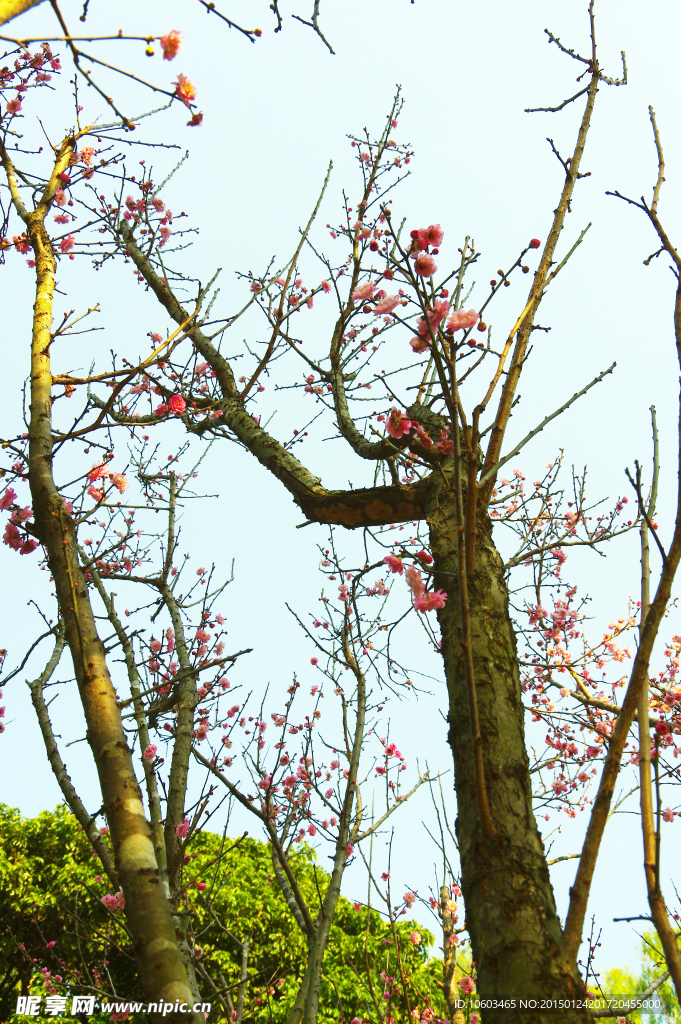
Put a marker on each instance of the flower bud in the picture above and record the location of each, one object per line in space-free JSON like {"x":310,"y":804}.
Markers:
{"x":534,"y":243}
{"x":482,"y":326}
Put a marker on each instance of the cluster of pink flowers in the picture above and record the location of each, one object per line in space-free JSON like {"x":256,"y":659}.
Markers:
{"x":114,"y":902}
{"x":421,"y":240}
{"x":13,"y":538}
{"x":426,"y":326}
{"x":175,"y":405}
{"x":424,"y":600}
{"x":100,"y":472}
{"x":399,"y":425}
{"x":30,"y":65}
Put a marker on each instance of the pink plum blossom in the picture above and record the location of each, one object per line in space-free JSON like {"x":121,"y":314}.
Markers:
{"x":433,"y":317}
{"x":364,"y":291}
{"x":98,"y":472}
{"x":461,"y":320}
{"x":150,"y":753}
{"x":12,"y":537}
{"x":435,"y":234}
{"x":415,"y":938}
{"x":119,"y":481}
{"x":67,"y":244}
{"x":21,"y":515}
{"x":185,"y":90}
{"x":425,"y":265}
{"x":432,"y":235}
{"x":114,"y":902}
{"x":420,"y":343}
{"x":171,"y":44}
{"x":387,"y":304}
{"x":445,"y":445}
{"x":396,"y":564}
{"x":182,"y":830}
{"x":8,"y":498}
{"x":177,"y":405}
{"x":397,"y":423}
{"x":429,"y":600}
{"x":467,"y":985}
{"x":414,"y":581}
{"x":423,"y":436}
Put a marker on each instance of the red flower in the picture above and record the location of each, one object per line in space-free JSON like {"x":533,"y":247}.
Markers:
{"x":177,"y":405}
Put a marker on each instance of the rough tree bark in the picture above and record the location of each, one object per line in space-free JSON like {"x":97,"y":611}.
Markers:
{"x":510,"y":909}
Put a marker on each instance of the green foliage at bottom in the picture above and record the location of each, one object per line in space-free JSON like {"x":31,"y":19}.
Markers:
{"x":622,"y":983}
{"x":49,"y":893}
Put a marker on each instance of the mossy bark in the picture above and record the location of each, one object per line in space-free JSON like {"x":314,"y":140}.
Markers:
{"x":510,"y":909}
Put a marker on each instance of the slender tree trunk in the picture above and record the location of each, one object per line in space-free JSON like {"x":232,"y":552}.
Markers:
{"x":158,"y":957}
{"x":510,"y":910}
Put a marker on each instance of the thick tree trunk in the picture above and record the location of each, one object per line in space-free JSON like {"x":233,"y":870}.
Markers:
{"x":510,"y":909}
